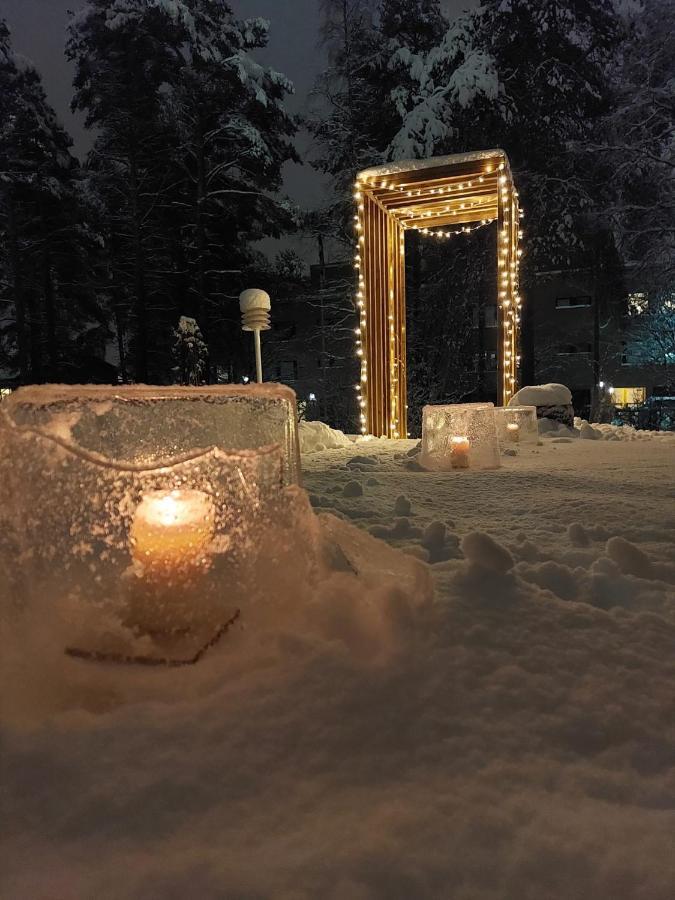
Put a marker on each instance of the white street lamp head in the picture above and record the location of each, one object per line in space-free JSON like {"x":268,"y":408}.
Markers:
{"x":255,"y":305}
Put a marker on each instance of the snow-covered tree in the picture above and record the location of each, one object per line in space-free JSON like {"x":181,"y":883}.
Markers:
{"x":356,"y":114}
{"x":50,"y":325}
{"x":234,"y":134}
{"x":190,"y":353}
{"x":526,"y":75}
{"x":634,"y":145}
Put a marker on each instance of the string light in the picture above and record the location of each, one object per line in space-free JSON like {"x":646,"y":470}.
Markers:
{"x":466,"y":229}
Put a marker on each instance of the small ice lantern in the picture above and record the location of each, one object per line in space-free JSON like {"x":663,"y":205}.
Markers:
{"x":517,"y":425}
{"x":459,"y":436}
{"x":140,"y":508}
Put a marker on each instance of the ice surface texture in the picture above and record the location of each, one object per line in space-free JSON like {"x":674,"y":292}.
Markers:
{"x":146,"y":425}
{"x":474,"y":421}
{"x":524,"y":417}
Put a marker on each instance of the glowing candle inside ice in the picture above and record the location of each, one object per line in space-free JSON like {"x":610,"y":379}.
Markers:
{"x":171,"y":533}
{"x":512,"y":432}
{"x":459,"y":452}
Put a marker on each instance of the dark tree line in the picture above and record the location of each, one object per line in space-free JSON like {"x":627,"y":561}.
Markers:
{"x":191,"y":133}
{"x":190,"y":137}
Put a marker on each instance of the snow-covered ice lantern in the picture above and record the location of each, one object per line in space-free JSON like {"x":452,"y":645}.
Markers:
{"x":145,"y":503}
{"x":459,"y":436}
{"x":517,"y":425}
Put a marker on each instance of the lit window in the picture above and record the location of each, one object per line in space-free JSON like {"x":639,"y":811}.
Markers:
{"x":629,"y":396}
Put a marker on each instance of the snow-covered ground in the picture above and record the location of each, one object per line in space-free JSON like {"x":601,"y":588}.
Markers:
{"x":513,"y":740}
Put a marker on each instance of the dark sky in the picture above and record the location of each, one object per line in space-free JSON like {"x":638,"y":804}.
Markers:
{"x":38,"y":32}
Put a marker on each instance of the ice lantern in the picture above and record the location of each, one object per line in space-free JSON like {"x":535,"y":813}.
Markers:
{"x":145,"y":503}
{"x":517,"y":425}
{"x":460,"y":436}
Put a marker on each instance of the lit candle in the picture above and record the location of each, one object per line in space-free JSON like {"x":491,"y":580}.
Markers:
{"x":459,"y":452}
{"x":171,"y":533}
{"x":512,"y":432}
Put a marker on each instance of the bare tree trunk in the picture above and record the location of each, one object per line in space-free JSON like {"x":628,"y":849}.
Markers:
{"x":140,"y":300}
{"x":324,"y":358}
{"x":49,"y":304}
{"x":121,"y":351}
{"x":203,"y":317}
{"x":17,"y":293}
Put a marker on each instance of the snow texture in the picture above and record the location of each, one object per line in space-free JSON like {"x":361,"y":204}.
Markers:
{"x":512,"y":739}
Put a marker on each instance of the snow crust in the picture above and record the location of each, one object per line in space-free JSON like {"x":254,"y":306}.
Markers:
{"x":415,"y":165}
{"x":512,"y":739}
{"x":542,"y":395}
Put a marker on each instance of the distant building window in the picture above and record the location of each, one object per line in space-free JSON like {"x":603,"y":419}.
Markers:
{"x":573,"y":349}
{"x":287,"y":371}
{"x":573,"y":302}
{"x":490,"y":314}
{"x":638,"y":302}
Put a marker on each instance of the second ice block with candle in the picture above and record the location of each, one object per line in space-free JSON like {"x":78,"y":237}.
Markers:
{"x":459,"y":436}
{"x":517,"y":425}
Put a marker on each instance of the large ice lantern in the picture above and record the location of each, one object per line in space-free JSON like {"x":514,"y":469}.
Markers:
{"x":459,"y":436}
{"x":517,"y":425}
{"x":149,"y":504}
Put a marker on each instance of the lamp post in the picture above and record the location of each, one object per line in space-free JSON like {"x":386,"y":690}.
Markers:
{"x":255,"y":308}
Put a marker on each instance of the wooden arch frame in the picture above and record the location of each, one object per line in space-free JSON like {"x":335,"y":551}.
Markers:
{"x":448,"y":191}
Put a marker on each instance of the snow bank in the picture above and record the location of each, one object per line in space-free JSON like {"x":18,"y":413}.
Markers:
{"x":317,"y":436}
{"x":542,"y":395}
{"x":606,"y":432}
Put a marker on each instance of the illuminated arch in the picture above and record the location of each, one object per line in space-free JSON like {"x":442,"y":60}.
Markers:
{"x":447,"y":192}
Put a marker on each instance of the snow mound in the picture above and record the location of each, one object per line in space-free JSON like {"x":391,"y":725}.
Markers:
{"x":317,"y":436}
{"x":542,"y":395}
{"x":605,"y":432}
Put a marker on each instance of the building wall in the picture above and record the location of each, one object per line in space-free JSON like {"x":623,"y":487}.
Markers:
{"x":566,"y":349}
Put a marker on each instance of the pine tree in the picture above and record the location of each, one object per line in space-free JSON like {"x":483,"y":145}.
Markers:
{"x":357,"y":113}
{"x":633,"y":147}
{"x":51,"y":326}
{"x":192,"y":134}
{"x":234,"y":135}
{"x":529,"y":76}
{"x":123,"y":57}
